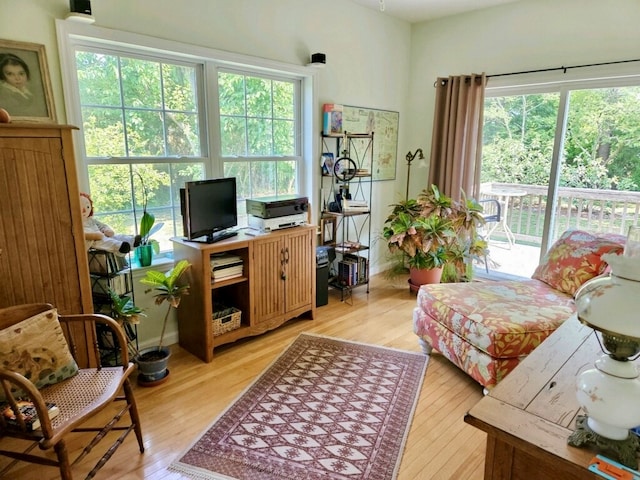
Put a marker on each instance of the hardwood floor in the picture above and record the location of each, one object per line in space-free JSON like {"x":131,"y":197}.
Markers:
{"x":439,"y":445}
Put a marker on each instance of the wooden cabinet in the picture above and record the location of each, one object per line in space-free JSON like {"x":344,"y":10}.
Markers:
{"x":277,"y":284}
{"x":284,"y":278}
{"x":42,"y":251}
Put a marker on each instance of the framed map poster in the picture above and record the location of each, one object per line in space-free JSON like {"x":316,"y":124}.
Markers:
{"x":384,"y":124}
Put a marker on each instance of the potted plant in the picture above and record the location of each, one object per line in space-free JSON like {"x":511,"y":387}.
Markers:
{"x":148,"y":227}
{"x":127,"y":314}
{"x":152,"y":362}
{"x":436,"y":238}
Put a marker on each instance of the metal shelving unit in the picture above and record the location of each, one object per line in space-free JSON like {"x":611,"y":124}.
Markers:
{"x":346,"y":203}
{"x":109,"y":271}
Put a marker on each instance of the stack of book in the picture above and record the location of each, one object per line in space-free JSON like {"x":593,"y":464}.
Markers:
{"x":332,"y":119}
{"x":225,"y":266}
{"x":104,"y":263}
{"x":119,"y":283}
{"x":354,"y":206}
{"x":27,"y":412}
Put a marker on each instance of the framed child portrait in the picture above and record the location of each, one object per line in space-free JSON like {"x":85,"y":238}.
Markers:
{"x":25,"y":86}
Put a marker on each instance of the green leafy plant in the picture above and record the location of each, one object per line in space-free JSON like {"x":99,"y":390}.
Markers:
{"x":167,"y":288}
{"x":434,"y":231}
{"x":127,"y":314}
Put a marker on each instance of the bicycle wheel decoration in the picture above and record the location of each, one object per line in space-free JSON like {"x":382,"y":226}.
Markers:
{"x":345,"y":169}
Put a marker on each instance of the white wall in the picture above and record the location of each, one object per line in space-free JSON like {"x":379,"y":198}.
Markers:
{"x":525,"y":35}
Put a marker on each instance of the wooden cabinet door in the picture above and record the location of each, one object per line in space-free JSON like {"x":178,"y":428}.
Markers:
{"x":269,"y":277}
{"x":299,"y":270}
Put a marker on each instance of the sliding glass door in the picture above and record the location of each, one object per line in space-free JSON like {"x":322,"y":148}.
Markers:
{"x":567,"y":157}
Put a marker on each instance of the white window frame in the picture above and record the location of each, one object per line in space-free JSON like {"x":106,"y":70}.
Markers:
{"x":604,"y":76}
{"x":70,"y":35}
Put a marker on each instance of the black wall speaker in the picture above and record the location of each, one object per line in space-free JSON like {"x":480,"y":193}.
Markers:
{"x":318,"y":58}
{"x":80,"y":6}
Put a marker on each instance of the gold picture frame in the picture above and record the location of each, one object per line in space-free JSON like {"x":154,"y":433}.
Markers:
{"x":328,"y":229}
{"x":25,"y":85}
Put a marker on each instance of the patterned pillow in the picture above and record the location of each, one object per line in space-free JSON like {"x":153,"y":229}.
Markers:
{"x":575,"y":258}
{"x":37,"y":349}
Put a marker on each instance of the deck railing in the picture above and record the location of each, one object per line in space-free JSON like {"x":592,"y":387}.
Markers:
{"x":604,"y":211}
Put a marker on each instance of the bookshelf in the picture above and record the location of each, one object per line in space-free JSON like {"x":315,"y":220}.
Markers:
{"x":108,"y":271}
{"x":346,"y":193}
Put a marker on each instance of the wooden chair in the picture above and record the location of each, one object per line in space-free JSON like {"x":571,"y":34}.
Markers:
{"x":79,"y":398}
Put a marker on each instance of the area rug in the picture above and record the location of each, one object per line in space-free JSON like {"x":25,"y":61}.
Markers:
{"x":325,"y":409}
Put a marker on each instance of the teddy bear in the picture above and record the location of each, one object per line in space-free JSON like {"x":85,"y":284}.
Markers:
{"x":101,"y":236}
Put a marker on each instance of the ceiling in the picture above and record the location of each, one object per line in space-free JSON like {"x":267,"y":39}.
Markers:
{"x":414,"y":11}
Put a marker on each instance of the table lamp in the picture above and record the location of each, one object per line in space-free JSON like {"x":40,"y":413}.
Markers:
{"x":610,"y":393}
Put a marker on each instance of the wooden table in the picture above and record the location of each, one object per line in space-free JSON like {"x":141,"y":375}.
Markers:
{"x":531,"y":413}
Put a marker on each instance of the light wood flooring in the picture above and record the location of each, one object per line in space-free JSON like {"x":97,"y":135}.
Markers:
{"x":439,"y":446}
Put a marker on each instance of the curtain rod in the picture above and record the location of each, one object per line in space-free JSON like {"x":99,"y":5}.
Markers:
{"x":563,"y":68}
{"x":554,"y":69}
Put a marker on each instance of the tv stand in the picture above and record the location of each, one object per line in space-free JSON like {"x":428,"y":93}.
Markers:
{"x":277,"y":284}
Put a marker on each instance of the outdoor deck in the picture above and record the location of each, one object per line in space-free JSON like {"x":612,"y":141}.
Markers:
{"x":601,"y":211}
{"x":519,"y":260}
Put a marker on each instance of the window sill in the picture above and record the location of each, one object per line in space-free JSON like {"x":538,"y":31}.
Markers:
{"x":162,"y":263}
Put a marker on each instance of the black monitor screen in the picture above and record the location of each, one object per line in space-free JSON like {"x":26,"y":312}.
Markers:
{"x":209,"y":207}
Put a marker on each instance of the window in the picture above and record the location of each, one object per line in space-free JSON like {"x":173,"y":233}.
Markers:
{"x":575,"y":141}
{"x":258,"y":133}
{"x":142,"y":130}
{"x":155,"y":114}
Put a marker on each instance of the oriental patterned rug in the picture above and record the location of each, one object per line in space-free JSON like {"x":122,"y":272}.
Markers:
{"x":325,"y":409}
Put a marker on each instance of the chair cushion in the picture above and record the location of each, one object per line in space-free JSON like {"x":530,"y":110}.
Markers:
{"x":575,"y":258}
{"x":504,"y":319}
{"x":37,"y":349}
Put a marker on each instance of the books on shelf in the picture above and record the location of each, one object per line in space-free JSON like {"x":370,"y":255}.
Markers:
{"x":27,"y":412}
{"x":352,"y":270}
{"x":120,"y":284}
{"x":105,"y":263}
{"x":226,"y":266}
{"x":332,"y":119}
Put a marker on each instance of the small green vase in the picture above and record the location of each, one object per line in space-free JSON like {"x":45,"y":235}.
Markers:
{"x":145,"y":255}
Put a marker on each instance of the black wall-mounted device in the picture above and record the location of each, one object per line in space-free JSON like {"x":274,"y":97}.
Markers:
{"x":80,"y":6}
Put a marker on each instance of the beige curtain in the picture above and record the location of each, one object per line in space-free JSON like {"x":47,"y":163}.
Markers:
{"x":456,"y":144}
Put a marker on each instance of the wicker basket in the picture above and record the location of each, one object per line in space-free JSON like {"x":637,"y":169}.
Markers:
{"x":226,"y":319}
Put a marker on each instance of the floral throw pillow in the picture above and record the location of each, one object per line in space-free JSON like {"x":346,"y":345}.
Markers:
{"x":575,"y":258}
{"x":37,"y":349}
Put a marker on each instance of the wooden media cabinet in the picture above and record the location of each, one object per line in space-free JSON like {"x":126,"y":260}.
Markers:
{"x":276,"y":285}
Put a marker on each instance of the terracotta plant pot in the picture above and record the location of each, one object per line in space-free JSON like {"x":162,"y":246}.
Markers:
{"x":419,"y":277}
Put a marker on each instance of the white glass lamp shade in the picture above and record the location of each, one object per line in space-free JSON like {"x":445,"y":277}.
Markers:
{"x":611,"y":304}
{"x":610,"y":392}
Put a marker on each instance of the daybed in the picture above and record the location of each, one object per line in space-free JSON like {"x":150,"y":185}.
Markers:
{"x":486,"y":328}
